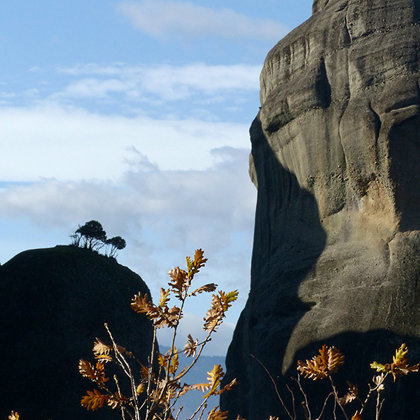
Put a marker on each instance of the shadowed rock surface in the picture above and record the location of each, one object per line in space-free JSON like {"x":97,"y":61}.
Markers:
{"x":54,"y":303}
{"x":335,"y":158}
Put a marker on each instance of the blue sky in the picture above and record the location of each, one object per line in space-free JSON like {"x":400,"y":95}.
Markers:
{"x":136,"y":114}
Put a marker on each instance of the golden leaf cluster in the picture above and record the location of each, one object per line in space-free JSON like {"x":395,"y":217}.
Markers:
{"x":94,"y":400}
{"x":219,"y":305}
{"x":161,"y":315}
{"x":14,"y":416}
{"x":399,"y":365}
{"x":195,"y":265}
{"x":214,"y":378}
{"x":322,"y":366}
{"x":94,"y":373}
{"x":357,"y":416}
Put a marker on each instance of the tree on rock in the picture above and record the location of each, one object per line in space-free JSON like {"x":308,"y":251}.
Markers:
{"x":117,"y":243}
{"x":90,"y":236}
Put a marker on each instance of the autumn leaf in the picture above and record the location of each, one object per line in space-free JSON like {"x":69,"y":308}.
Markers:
{"x":379,"y":367}
{"x":141,"y":304}
{"x":179,"y":281}
{"x":164,"y":297}
{"x":211,"y":287}
{"x":351,"y":395}
{"x":102,"y":351}
{"x":216,"y":414}
{"x":195,"y":265}
{"x":378,"y":381}
{"x":214,"y":377}
{"x":117,"y":401}
{"x":357,"y":416}
{"x":173,"y":366}
{"x":14,"y":415}
{"x":94,"y":373}
{"x":198,"y":387}
{"x":94,"y":400}
{"x":322,"y":366}
{"x":220,"y":303}
{"x":190,"y":347}
{"x":399,"y":365}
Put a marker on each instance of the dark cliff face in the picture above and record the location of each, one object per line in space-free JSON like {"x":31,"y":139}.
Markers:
{"x":335,"y":152}
{"x":54,"y":303}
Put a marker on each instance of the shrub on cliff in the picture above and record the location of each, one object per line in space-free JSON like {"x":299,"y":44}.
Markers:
{"x":92,"y":236}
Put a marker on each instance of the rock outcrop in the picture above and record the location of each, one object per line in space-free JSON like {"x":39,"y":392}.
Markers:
{"x":54,"y":302}
{"x":335,"y":157}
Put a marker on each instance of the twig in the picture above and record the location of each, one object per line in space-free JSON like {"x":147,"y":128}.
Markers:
{"x":306,"y":403}
{"x":126,"y":368}
{"x":275,"y":386}
{"x":337,"y":399}
{"x":293,"y":400}
{"x":379,"y":404}
{"x":325,"y":404}
{"x":119,"y":393}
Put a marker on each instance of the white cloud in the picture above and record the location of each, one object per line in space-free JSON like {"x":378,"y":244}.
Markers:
{"x":167,"y":18}
{"x":72,"y":144}
{"x":95,"y":88}
{"x":166,"y":82}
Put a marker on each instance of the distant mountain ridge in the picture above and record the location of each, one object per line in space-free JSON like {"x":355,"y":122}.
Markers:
{"x":198,"y":374}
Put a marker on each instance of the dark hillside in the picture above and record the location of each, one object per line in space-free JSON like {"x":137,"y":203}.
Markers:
{"x":54,"y":303}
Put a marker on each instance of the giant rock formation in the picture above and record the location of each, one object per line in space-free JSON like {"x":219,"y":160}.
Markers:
{"x":335,"y":158}
{"x":54,"y":302}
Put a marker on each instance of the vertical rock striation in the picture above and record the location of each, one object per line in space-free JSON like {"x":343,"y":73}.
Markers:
{"x":335,"y":158}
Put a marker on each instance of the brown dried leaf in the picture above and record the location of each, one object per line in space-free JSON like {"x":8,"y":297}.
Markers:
{"x":216,"y":414}
{"x":351,"y":395}
{"x":211,"y":287}
{"x":94,"y":400}
{"x":117,"y":401}
{"x":179,"y":281}
{"x":357,"y":416}
{"x":219,"y":305}
{"x":214,"y":377}
{"x":99,"y":348}
{"x":141,"y":304}
{"x":95,"y":374}
{"x":195,"y":265}
{"x":190,"y":347}
{"x":322,"y":366}
{"x":164,"y":297}
{"x":173,"y":366}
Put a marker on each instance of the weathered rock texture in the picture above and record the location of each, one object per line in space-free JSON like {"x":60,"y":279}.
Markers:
{"x":54,"y":302}
{"x":335,"y":157}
